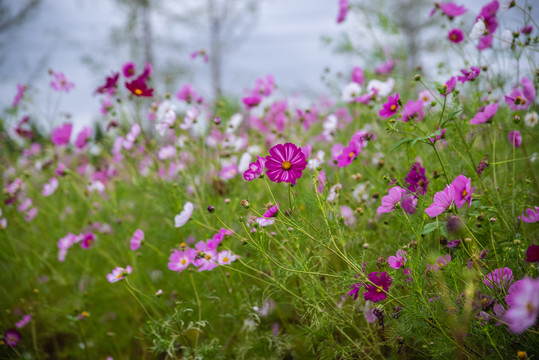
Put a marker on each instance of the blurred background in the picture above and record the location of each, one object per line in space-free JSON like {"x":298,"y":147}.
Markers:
{"x":299,"y":42}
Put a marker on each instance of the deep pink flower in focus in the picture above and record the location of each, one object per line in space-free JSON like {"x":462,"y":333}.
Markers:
{"x":462,"y":187}
{"x":119,"y":273}
{"x":128,"y":69}
{"x":455,"y":35}
{"x":12,"y":337}
{"x":469,"y":75}
{"x":82,"y":137}
{"x":20,"y":93}
{"x":391,"y":201}
{"x":532,"y":216}
{"x":348,"y":154}
{"x":377,"y":291}
{"x":484,"y":116}
{"x":390,"y":107}
{"x":110,"y":84}
{"x":61,"y":83}
{"x":500,"y":278}
{"x":398,"y":261}
{"x":285,"y":163}
{"x":343,"y":10}
{"x":136,"y":240}
{"x":255,"y":169}
{"x":452,"y":10}
{"x":523,"y":299}
{"x":417,"y":179}
{"x":442,"y":201}
{"x":61,"y":134}
{"x":532,"y":253}
{"x":448,"y":87}
{"x":515,"y":138}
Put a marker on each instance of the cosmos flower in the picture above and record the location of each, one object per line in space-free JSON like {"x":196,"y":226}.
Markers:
{"x":61,"y":134}
{"x":463,"y":191}
{"x":187,"y":93}
{"x":455,"y":35}
{"x":139,"y":87}
{"x":442,"y":261}
{"x":184,"y":216}
{"x":448,"y":87}
{"x":110,"y":84}
{"x":343,"y":11}
{"x":391,"y":201}
{"x":18,"y":96}
{"x":128,"y":69}
{"x":417,"y":179}
{"x":50,"y":187}
{"x":226,"y":257}
{"x":12,"y":337}
{"x":390,"y":107}
{"x":351,"y":91}
{"x":515,"y":138}
{"x":82,"y":137}
{"x":486,"y":115}
{"x":452,"y":10}
{"x":180,"y":260}
{"x":285,"y":163}
{"x":377,"y":291}
{"x":398,"y":261}
{"x":532,"y":253}
{"x":523,"y":301}
{"x":119,"y":273}
{"x":442,"y":201}
{"x":136,"y":240}
{"x":24,"y":321}
{"x":255,"y":169}
{"x":86,"y":240}
{"x":499,"y":278}
{"x":478,"y":30}
{"x":532,"y":215}
{"x":358,"y":76}
{"x":413,"y":110}
{"x":469,"y":75}
{"x":531,"y":119}
{"x":251,"y":101}
{"x":61,"y":83}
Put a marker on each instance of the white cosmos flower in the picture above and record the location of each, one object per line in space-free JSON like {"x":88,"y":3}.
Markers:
{"x":182,"y":218}
{"x":531,"y":118}
{"x":478,"y":30}
{"x":507,"y":39}
{"x":234,"y":123}
{"x":381,"y":88}
{"x":351,"y":91}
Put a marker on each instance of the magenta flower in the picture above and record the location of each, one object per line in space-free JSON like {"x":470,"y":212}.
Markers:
{"x":272,"y":211}
{"x":413,"y":110}
{"x":255,"y":169}
{"x":455,"y":35}
{"x":452,"y":10}
{"x":469,"y":75}
{"x":398,"y":261}
{"x":24,"y":321}
{"x":377,"y":291}
{"x":515,"y":138}
{"x":385,"y":68}
{"x":343,"y":11}
{"x":499,"y":278}
{"x":187,"y":93}
{"x":349,"y":153}
{"x":488,"y":15}
{"x":180,"y":260}
{"x":137,"y":239}
{"x":442,"y":261}
{"x":321,"y":181}
{"x":110,"y":84}
{"x":485,"y":42}
{"x":251,"y":101}
{"x":442,"y":201}
{"x":86,"y":240}
{"x":532,"y":253}
{"x":438,"y":137}
{"x":206,"y":259}
{"x":532,"y":216}
{"x":263,"y":86}
{"x":119,"y":273}
{"x":139,"y":87}
{"x":60,"y":82}
{"x":463,"y":191}
{"x":12,"y":337}
{"x":128,"y":69}
{"x":484,"y":116}
{"x":82,"y":137}
{"x":18,"y":97}
{"x":417,"y":179}
{"x":358,"y":76}
{"x":526,"y":29}
{"x":285,"y":163}
{"x":50,"y":187}
{"x":448,"y":87}
{"x":523,"y":299}
{"x":61,"y":134}
{"x":390,"y":107}
{"x":391,"y":201}
{"x":228,"y":172}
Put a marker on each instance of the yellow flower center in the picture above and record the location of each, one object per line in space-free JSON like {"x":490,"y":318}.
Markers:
{"x":444,"y":86}
{"x":120,"y":276}
{"x":225,"y":259}
{"x":464,"y":193}
{"x":286,"y":165}
{"x":425,"y":98}
{"x":208,"y":256}
{"x":138,"y":91}
{"x":352,"y":154}
{"x":441,"y":264}
{"x":183,"y":261}
{"x":453,"y":37}
{"x":529,"y":306}
{"x":393,"y":107}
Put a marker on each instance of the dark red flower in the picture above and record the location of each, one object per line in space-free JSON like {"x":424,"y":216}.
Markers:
{"x":110,"y":84}
{"x":532,"y":254}
{"x":139,"y":87}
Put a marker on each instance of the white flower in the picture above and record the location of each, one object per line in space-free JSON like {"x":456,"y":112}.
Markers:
{"x":507,"y":39}
{"x":189,"y":119}
{"x":334,"y":192}
{"x":245,"y":160}
{"x":351,"y":91}
{"x":478,"y":30}
{"x":263,"y":222}
{"x":531,"y":118}
{"x":50,"y":187}
{"x":317,"y":160}
{"x":182,"y":218}
{"x":167,"y":152}
{"x":96,"y":186}
{"x":381,"y":88}
{"x":234,"y":123}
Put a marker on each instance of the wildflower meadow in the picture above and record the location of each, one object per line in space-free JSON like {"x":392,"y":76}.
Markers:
{"x":394,"y":217}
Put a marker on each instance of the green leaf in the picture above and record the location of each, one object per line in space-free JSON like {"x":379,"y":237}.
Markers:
{"x":403,"y":141}
{"x":429,"y":228}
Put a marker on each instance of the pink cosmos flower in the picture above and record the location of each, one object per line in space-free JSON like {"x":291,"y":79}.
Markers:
{"x":532,"y":216}
{"x":136,"y":240}
{"x":515,"y":138}
{"x":390,"y":107}
{"x":251,"y":101}
{"x":272,"y":211}
{"x":448,"y":87}
{"x":321,"y":181}
{"x":12,"y":337}
{"x":187,"y":93}
{"x":263,"y":86}
{"x":184,"y":216}
{"x":86,"y":240}
{"x":484,"y":116}
{"x":64,"y":244}
{"x":469,"y":75}
{"x":349,"y":153}
{"x":413,"y":110}
{"x":392,"y":200}
{"x":206,"y":259}
{"x":463,"y":191}
{"x":398,"y":261}
{"x":226,"y":257}
{"x":50,"y":187}
{"x":347,"y":215}
{"x":60,"y":170}
{"x":452,"y":10}
{"x":61,"y":134}
{"x":385,"y":68}
{"x":523,"y":299}
{"x":119,"y":273}
{"x":455,"y":35}
{"x":485,"y":42}
{"x":285,"y":163}
{"x":442,"y":201}
{"x":110,"y":84}
{"x":343,"y":11}
{"x":60,"y":82}
{"x":228,"y":172}
{"x":180,"y":260}
{"x":255,"y":169}
{"x":488,"y":16}
{"x":128,"y":69}
{"x":442,"y":261}
{"x":499,"y":278}
{"x":358,"y":76}
{"x":167,"y":152}
{"x":30,"y":214}
{"x":24,"y":321}
{"x":18,"y":97}
{"x":375,"y":292}
{"x":417,"y":179}
{"x":82,"y":137}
